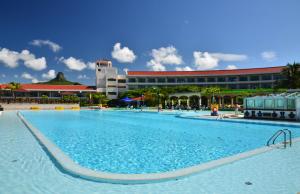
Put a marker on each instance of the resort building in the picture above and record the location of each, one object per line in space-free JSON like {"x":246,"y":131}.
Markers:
{"x":232,"y":79}
{"x":107,"y":79}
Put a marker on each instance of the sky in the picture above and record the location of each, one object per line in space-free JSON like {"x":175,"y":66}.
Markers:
{"x":40,"y":38}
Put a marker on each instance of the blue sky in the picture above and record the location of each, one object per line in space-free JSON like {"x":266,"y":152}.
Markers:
{"x":40,"y":38}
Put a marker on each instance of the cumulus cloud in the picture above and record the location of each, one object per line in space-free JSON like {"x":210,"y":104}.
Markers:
{"x":155,"y":66}
{"x":3,"y":75}
{"x":91,"y":65}
{"x":231,"y":67}
{"x":206,"y":60}
{"x":73,"y":64}
{"x":83,"y":77}
{"x":122,"y":55}
{"x":49,"y":75}
{"x":164,"y":56}
{"x":16,"y":76}
{"x":52,"y":45}
{"x":28,"y":76}
{"x":11,"y":59}
{"x":186,"y":68}
{"x":269,"y":55}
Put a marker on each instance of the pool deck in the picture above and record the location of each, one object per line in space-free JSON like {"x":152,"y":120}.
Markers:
{"x":26,"y":168}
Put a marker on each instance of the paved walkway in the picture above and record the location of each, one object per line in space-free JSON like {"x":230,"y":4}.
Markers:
{"x":26,"y":168}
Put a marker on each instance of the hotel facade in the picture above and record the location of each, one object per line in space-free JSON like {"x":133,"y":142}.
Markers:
{"x":108,"y":81}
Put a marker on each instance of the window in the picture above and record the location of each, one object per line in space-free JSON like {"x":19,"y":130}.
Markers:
{"x":250,"y":103}
{"x":112,"y":93}
{"x":111,"y":86}
{"x":277,"y":77}
{"x":211,"y":79}
{"x":259,"y":103}
{"x":243,"y":78}
{"x":254,"y":86}
{"x":99,"y":69}
{"x":266,"y":85}
{"x":201,"y":79}
{"x":122,"y":81}
{"x":161,"y":80}
{"x":266,"y":77}
{"x":232,"y":86}
{"x":254,"y":78}
{"x":180,"y":80}
{"x":111,"y":79}
{"x":190,"y":80}
{"x":121,"y":86}
{"x":221,"y":79}
{"x":243,"y":86}
{"x":232,"y":79}
{"x":269,"y":104}
{"x":141,"y":80}
{"x":280,"y":103}
{"x":132,"y":80}
{"x":151,"y":80}
{"x":291,"y":104}
{"x":171,"y":80}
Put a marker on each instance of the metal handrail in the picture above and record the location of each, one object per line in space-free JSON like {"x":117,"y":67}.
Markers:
{"x":277,"y":134}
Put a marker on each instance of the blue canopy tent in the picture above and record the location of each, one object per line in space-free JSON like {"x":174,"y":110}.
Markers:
{"x":126,"y":99}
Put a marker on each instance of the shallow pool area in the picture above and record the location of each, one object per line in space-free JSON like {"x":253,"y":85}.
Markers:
{"x":26,"y":168}
{"x":129,"y":142}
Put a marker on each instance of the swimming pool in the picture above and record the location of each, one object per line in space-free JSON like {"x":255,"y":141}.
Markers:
{"x":127,"y":142}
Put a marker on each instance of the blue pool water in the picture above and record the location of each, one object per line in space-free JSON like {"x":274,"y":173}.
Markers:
{"x":139,"y":142}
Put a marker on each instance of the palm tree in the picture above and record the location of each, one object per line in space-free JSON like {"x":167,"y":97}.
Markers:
{"x":13,"y":86}
{"x":291,"y":74}
{"x":211,"y":92}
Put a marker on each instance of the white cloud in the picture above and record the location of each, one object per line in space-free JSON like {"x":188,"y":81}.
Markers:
{"x":49,"y":75}
{"x":229,"y":57}
{"x":16,"y":76}
{"x":73,"y":64}
{"x":206,"y":60}
{"x":166,"y":55}
{"x":186,"y":68}
{"x":91,"y":65}
{"x":52,"y":45}
{"x":3,"y":75}
{"x":123,"y":55}
{"x":231,"y":67}
{"x":11,"y":59}
{"x":155,"y":66}
{"x":83,"y":77}
{"x":28,"y":76}
{"x":269,"y":55}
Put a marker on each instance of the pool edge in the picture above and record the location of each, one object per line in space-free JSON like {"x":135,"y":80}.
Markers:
{"x":71,"y":167}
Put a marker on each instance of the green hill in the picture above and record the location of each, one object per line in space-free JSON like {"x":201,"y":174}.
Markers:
{"x":60,"y":80}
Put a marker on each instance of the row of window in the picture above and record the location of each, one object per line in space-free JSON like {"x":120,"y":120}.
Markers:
{"x":230,"y":86}
{"x":202,"y":79}
{"x":119,"y":80}
{"x":270,"y":103}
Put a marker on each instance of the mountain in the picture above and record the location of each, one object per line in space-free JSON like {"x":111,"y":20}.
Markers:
{"x":60,"y":80}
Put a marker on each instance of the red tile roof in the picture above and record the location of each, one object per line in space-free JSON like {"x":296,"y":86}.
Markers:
{"x":209,"y":72}
{"x":42,"y":87}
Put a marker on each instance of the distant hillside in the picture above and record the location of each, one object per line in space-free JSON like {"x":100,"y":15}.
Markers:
{"x":60,"y":80}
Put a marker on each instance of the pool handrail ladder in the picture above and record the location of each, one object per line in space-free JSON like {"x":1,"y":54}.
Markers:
{"x":277,"y":134}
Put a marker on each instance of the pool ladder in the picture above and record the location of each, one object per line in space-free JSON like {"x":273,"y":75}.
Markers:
{"x":283,"y":132}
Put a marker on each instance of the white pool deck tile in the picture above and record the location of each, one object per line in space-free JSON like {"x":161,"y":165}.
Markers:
{"x":26,"y":168}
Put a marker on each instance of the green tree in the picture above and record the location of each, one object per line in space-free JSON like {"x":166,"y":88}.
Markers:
{"x":291,"y":76}
{"x":13,"y":86}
